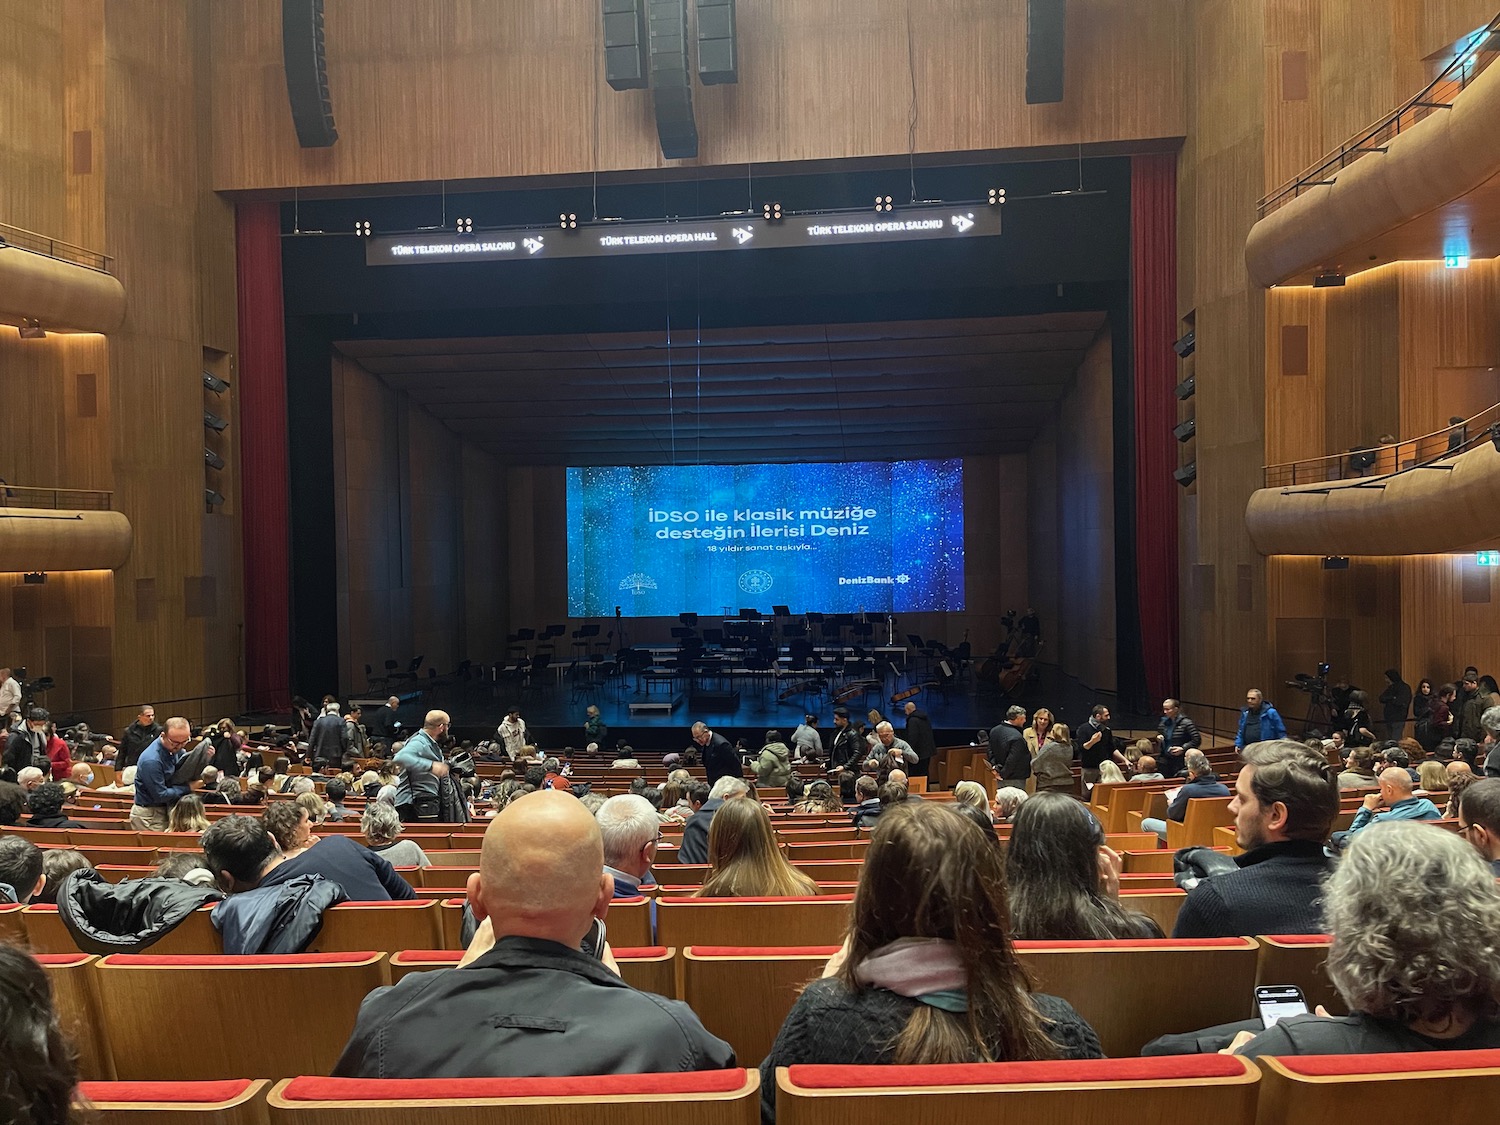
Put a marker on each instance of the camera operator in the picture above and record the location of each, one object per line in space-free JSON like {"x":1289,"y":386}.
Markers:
{"x":10,"y":699}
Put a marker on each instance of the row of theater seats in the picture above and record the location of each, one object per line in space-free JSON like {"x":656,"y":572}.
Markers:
{"x":1224,"y":1089}
{"x":156,"y":1016}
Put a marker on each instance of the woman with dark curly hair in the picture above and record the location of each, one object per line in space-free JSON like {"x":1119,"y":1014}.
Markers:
{"x":38,"y":1068}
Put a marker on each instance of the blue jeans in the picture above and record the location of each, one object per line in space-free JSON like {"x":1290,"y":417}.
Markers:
{"x":1151,"y":824}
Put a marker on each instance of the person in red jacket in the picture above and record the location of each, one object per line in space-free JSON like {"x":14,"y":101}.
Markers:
{"x":58,"y":752}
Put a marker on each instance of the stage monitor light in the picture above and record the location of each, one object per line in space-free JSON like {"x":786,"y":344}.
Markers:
{"x":1184,"y":346}
{"x":1185,"y":430}
{"x":568,"y":220}
{"x":1187,"y":388}
{"x":465,"y":226}
{"x":1187,"y":474}
{"x":32,"y":330}
{"x":362,"y":227}
{"x":884,"y":203}
{"x":771,"y":212}
{"x":212,"y":459}
{"x":212,"y":498}
{"x":213,"y":383}
{"x":1328,"y":279}
{"x":214,"y":422}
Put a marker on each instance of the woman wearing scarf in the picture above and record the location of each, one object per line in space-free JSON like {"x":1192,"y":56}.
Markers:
{"x":927,"y":973}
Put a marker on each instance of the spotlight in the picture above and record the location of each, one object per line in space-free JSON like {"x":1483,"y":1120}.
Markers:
{"x":32,"y":330}
{"x":465,"y":226}
{"x":1184,"y":431}
{"x":1328,"y":279}
{"x":212,"y":459}
{"x":568,"y":220}
{"x":884,"y":203}
{"x":212,"y":498}
{"x":1187,"y":474}
{"x":362,"y":227}
{"x":771,"y":212}
{"x":996,"y":196}
{"x":213,"y":383}
{"x":214,"y":422}
{"x":1187,"y":388}
{"x":1495,"y":435}
{"x":1184,"y":347}
{"x":1335,"y":562}
{"x":34,"y":578}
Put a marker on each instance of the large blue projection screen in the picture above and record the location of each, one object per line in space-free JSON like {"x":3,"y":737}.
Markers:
{"x":662,"y":540}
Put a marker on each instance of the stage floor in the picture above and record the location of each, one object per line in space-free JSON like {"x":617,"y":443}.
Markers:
{"x":554,"y":709}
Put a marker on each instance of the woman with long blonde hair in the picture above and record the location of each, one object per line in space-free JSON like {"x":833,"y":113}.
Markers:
{"x":1036,"y":738}
{"x":188,"y":816}
{"x":744,"y":860}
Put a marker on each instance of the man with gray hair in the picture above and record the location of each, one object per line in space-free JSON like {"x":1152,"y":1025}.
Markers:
{"x":1010,"y":757}
{"x":325,"y":742}
{"x":1201,"y":782}
{"x":897,"y":752}
{"x":695,"y":833}
{"x":631,"y":831}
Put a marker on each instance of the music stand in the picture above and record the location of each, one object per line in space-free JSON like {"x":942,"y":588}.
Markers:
{"x":781,"y":610}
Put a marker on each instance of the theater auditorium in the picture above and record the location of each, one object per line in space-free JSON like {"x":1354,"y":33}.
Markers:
{"x":624,"y":560}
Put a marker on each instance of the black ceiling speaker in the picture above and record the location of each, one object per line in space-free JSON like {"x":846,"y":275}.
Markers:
{"x":1045,"y":20}
{"x":307,"y":72}
{"x":718,"y":52}
{"x":625,"y":44}
{"x":671,"y":79}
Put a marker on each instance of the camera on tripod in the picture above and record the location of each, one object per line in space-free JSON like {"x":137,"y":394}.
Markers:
{"x":1315,"y":686}
{"x":30,"y":689}
{"x":1320,"y":710}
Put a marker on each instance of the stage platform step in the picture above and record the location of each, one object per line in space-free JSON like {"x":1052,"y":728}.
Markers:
{"x":662,"y":706}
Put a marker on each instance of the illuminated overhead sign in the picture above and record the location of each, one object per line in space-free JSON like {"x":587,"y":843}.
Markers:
{"x":608,"y":240}
{"x":1487,"y":558}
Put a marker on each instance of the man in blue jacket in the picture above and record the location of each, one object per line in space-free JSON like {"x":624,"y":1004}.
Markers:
{"x":1259,"y":721}
{"x":1396,"y":802}
{"x":154,"y":792}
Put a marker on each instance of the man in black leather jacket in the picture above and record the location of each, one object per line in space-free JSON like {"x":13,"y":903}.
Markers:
{"x":526,"y":1000}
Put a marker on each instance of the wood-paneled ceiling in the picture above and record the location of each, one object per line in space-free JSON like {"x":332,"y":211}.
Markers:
{"x":835,"y":392}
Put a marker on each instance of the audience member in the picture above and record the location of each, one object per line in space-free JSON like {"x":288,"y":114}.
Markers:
{"x":1110,"y":774}
{"x":57,"y":864}
{"x":1176,"y":735}
{"x":136,"y":737}
{"x":155,"y":794}
{"x":867,"y":807}
{"x":189,"y":867}
{"x":243,"y":856}
{"x":289,"y":825}
{"x":819,"y":798}
{"x":1397,"y":801}
{"x":1064,"y":879}
{"x":927,"y":973}
{"x":1479,"y":818}
{"x":719,"y":757}
{"x":1053,"y":765}
{"x":971,"y":793}
{"x":1009,"y":755}
{"x":27,"y":744}
{"x":1414,"y":913}
{"x":188,"y":816}
{"x":1433,"y":778}
{"x":29,"y":778}
{"x":124,"y":782}
{"x":381,"y":827}
{"x":1359,"y":769}
{"x":12,"y":803}
{"x":773,"y":765}
{"x":745,"y":860}
{"x":694,"y":847}
{"x":423,"y":768}
{"x":336,"y":791}
{"x":1284,"y":805}
{"x":1201,"y":782}
{"x":1008,"y":802}
{"x":21,"y":875}
{"x":1145,"y":770}
{"x":1460,"y":777}
{"x":980,"y":817}
{"x":631,"y":831}
{"x":527,"y":1000}
{"x":38,"y":1066}
{"x":1259,"y":722}
{"x":46,"y":802}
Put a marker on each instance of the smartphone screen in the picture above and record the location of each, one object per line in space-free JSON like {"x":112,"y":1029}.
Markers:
{"x":1277,"y":1001}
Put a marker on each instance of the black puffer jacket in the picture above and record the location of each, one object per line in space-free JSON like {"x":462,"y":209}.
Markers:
{"x":125,"y":917}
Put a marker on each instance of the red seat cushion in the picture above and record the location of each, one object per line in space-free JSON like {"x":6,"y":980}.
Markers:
{"x":1011,"y":1073}
{"x":764,"y":950}
{"x":311,"y":1089}
{"x":766,"y":898}
{"x":1300,"y":939}
{"x":1325,"y":1066}
{"x":1105,"y":946}
{"x":60,"y":960}
{"x":224,"y":961}
{"x":207,"y":1092}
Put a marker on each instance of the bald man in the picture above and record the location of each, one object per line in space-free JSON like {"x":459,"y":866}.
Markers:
{"x":422,"y":764}
{"x":527,"y":1001}
{"x":1394,"y":802}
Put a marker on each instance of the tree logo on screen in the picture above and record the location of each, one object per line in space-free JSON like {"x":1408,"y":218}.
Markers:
{"x":638,"y":583}
{"x":755,"y":581}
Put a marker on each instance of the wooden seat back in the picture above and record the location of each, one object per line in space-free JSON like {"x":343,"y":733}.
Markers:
{"x":629,"y":923}
{"x":45,"y":933}
{"x":682,"y":922}
{"x":1202,"y":816}
{"x":142,"y":996}
{"x":716,"y":980}
{"x":1197,"y":1088}
{"x":76,"y":1001}
{"x":386,"y":926}
{"x":1337,"y":1089}
{"x":1117,"y":985}
{"x":1300,"y":959}
{"x":1160,"y":906}
{"x":717,"y":1097}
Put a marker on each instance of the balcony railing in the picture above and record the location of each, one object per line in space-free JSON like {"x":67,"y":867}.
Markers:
{"x":1480,"y":50}
{"x":71,"y":499}
{"x":1373,"y":464}
{"x":54,"y":248}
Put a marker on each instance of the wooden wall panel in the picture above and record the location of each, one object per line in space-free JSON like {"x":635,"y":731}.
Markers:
{"x":425,"y":90}
{"x":1443,"y":22}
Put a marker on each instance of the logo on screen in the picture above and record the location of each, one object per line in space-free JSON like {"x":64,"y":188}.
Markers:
{"x":755,"y":581}
{"x":638,"y":583}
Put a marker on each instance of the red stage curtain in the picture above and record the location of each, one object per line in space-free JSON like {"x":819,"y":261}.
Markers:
{"x":264,"y":492}
{"x":1153,"y":289}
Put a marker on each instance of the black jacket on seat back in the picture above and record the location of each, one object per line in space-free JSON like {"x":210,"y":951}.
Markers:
{"x":125,"y":917}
